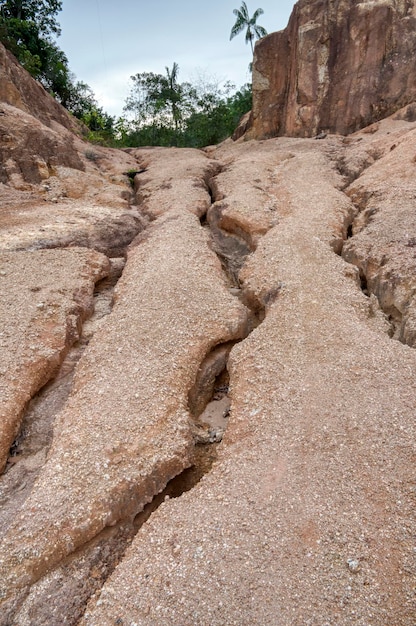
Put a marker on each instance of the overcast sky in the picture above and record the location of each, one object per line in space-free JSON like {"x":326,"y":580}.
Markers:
{"x":107,"y":41}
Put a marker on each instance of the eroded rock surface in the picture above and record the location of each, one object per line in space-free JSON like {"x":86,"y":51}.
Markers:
{"x":266,"y":285}
{"x":306,"y":517}
{"x":134,"y":378}
{"x":44,"y":297}
{"x":173,"y":178}
{"x":383,"y":245}
{"x":337,"y":67}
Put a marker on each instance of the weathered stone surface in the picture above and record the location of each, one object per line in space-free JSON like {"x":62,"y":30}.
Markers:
{"x":30,"y":151}
{"x":58,"y":191}
{"x":18,"y":89}
{"x":384,"y":232}
{"x":306,"y":516}
{"x":245,"y":204}
{"x":315,"y":471}
{"x":44,"y":296}
{"x":173,"y":178}
{"x":125,"y":431}
{"x":337,"y":67}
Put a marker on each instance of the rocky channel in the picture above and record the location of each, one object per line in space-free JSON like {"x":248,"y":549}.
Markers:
{"x":207,"y":383}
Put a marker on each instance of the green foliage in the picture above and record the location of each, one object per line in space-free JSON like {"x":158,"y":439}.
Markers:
{"x":168,"y":113}
{"x":26,"y":27}
{"x":42,"y":13}
{"x":81,"y":102}
{"x":244,"y":21}
{"x":158,"y":100}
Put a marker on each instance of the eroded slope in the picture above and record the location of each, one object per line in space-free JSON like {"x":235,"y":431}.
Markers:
{"x":305,"y":517}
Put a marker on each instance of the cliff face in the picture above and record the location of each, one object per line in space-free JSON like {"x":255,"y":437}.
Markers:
{"x":338,"y":66}
{"x":18,"y":89}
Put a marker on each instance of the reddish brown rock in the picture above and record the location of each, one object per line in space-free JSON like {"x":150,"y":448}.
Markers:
{"x":44,"y":297}
{"x":173,"y":178}
{"x":306,"y":517}
{"x":337,"y":67}
{"x":125,"y":431}
{"x":383,"y":238}
{"x":30,"y":151}
{"x":20,"y":90}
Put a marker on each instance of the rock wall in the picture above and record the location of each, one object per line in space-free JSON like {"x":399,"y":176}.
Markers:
{"x":337,"y":67}
{"x":18,"y":89}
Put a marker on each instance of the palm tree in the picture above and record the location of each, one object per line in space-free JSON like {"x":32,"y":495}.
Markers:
{"x":174,"y":93}
{"x":244,"y":21}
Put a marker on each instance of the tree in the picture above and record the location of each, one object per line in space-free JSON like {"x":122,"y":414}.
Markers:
{"x":168,"y":113}
{"x":26,"y":29}
{"x":160,"y":100}
{"x":41,"y":12}
{"x":244,"y":21}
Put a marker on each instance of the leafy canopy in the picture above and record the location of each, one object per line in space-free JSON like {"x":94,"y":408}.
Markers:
{"x":27,"y":28}
{"x":244,"y":21}
{"x":40,"y":12}
{"x":167,"y":112}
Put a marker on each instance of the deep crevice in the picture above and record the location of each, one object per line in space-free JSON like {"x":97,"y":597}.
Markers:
{"x":83,"y":573}
{"x":363,"y":284}
{"x":231,"y":248}
{"x":359,"y":221}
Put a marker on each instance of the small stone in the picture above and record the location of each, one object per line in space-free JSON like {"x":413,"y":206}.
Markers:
{"x":353,"y":565}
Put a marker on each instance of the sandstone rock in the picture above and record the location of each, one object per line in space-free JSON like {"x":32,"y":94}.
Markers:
{"x":59,"y":191}
{"x":31,"y":150}
{"x":20,"y":90}
{"x":125,"y":431}
{"x":337,"y":67}
{"x":173,"y":178}
{"x":383,"y":241}
{"x":319,"y":439}
{"x":44,"y":298}
{"x":245,"y":205}
{"x":315,"y":469}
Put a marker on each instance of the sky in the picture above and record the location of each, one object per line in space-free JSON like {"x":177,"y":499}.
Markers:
{"x":108,"y":41}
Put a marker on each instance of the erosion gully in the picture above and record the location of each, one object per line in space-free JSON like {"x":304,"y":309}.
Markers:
{"x":208,"y":403}
{"x":359,"y":220}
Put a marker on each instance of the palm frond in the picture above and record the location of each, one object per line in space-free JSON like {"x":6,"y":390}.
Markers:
{"x":244,"y":11}
{"x":260,"y":31}
{"x":256,"y":14}
{"x":239,"y":24}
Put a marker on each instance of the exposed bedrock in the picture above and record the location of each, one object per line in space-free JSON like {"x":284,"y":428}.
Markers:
{"x":45,"y":296}
{"x":383,"y":239}
{"x":173,"y":178}
{"x":235,"y":292}
{"x":18,"y":89}
{"x":336,"y":67}
{"x":126,"y":431}
{"x":306,"y":516}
